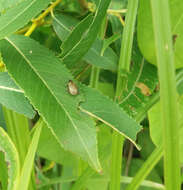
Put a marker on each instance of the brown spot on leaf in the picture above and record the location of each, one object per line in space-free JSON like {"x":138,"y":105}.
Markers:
{"x":144,"y":89}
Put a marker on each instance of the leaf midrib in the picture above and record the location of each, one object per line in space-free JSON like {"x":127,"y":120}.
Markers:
{"x":11,"y":89}
{"x":60,"y":23}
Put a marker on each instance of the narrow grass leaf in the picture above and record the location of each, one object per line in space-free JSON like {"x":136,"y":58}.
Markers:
{"x":168,"y":95}
{"x":12,"y":159}
{"x":29,"y":159}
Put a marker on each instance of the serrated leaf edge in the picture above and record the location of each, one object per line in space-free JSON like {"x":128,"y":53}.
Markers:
{"x":63,"y":107}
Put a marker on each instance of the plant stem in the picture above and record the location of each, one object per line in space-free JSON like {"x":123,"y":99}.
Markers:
{"x":168,"y":96}
{"x":39,"y":20}
{"x":94,"y":77}
{"x":123,"y":69}
{"x":126,"y":48}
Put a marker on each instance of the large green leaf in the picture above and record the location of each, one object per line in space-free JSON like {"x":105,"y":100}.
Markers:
{"x":5,"y":4}
{"x":18,"y":16}
{"x":145,"y":30}
{"x":44,"y":80}
{"x":11,"y":157}
{"x":73,"y":51}
{"x":63,"y":25}
{"x":48,"y":82}
{"x":13,"y":97}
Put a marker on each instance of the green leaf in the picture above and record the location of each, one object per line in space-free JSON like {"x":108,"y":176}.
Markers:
{"x":44,"y":80}
{"x":145,"y":31}
{"x":78,"y":31}
{"x":110,"y":113}
{"x":134,"y":167}
{"x":156,"y":130}
{"x":45,"y":149}
{"x":3,"y":172}
{"x":13,"y":97}
{"x":18,"y":16}
{"x":5,"y":4}
{"x":63,"y":25}
{"x":11,"y":157}
{"x":117,"y":4}
{"x":106,"y":61}
{"x":29,"y":159}
{"x":106,"y":88}
{"x":146,"y":143}
{"x":78,"y":50}
{"x":107,"y":42}
{"x":142,"y":81}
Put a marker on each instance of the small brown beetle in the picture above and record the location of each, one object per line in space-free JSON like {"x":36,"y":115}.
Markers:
{"x":72,"y":88}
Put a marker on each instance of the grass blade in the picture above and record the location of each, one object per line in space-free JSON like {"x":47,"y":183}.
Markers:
{"x":168,"y":100}
{"x":29,"y":159}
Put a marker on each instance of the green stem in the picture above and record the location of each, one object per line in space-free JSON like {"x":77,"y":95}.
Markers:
{"x":94,"y":77}
{"x":168,"y":96}
{"x":116,"y":163}
{"x":123,"y":69}
{"x":95,"y":72}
